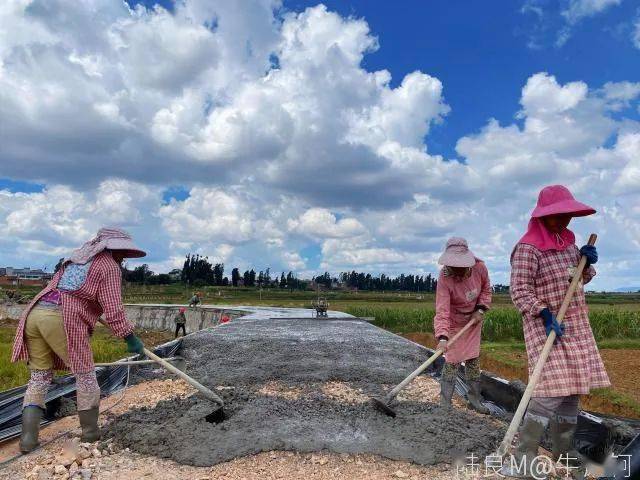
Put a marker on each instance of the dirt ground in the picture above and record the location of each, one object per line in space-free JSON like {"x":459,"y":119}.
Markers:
{"x":618,"y":362}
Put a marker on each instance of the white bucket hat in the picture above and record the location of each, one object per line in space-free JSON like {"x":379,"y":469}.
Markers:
{"x":457,"y":254}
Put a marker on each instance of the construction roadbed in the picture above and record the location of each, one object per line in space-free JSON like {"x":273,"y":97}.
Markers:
{"x":275,"y":375}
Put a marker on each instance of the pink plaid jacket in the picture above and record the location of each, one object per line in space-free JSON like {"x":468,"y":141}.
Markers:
{"x":455,"y":302}
{"x":100,"y":294}
{"x":541,"y":279}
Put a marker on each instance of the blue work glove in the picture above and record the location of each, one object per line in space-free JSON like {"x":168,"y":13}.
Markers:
{"x":591,"y":253}
{"x":134,"y":344}
{"x":551,"y":323}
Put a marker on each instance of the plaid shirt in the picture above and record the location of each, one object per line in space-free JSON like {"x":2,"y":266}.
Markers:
{"x":456,"y":299}
{"x":541,"y":279}
{"x":99,"y":295}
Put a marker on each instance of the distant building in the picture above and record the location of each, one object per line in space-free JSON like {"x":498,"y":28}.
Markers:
{"x":313,"y":285}
{"x":499,"y":288}
{"x":175,"y":274}
{"x":23,"y":276}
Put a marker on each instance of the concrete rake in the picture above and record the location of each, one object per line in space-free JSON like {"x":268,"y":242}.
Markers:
{"x":383,"y":404}
{"x":216,"y":415}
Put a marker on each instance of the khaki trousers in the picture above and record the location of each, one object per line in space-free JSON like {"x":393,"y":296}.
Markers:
{"x":45,"y":335}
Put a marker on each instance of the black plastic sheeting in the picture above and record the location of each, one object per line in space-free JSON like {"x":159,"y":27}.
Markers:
{"x":627,"y":465}
{"x":111,"y":379}
{"x":596,"y":437}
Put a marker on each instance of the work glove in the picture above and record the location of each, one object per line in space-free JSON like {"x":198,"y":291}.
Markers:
{"x":591,"y":253}
{"x":551,"y":323}
{"x":442,"y":344}
{"x":134,"y":344}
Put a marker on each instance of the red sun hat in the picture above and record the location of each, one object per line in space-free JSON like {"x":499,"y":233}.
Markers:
{"x":556,"y":200}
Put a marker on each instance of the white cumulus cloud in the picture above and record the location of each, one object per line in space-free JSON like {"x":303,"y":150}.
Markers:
{"x":285,"y":143}
{"x":579,"y":9}
{"x":321,"y":223}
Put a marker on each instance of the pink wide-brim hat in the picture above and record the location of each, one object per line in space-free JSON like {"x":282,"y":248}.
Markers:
{"x":556,"y":200}
{"x":125,"y":245}
{"x":457,"y":254}
{"x":107,"y":238}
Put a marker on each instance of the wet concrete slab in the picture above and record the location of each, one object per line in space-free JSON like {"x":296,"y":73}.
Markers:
{"x":237,"y":359}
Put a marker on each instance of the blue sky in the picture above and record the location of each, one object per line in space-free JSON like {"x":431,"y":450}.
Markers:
{"x":276,"y":139}
{"x":483,"y":52}
{"x":480,"y":51}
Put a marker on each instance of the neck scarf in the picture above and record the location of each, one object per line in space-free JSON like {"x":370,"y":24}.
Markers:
{"x":541,"y":238}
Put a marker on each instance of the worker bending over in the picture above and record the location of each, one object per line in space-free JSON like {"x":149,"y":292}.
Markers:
{"x":54,"y":330}
{"x":195,"y":300}
{"x":463,"y":295}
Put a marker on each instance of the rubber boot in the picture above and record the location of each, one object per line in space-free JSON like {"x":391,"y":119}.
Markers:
{"x":89,"y":424}
{"x":562,"y":448}
{"x":475,"y":398}
{"x":31,"y":416}
{"x":447,"y":386}
{"x":523,"y":463}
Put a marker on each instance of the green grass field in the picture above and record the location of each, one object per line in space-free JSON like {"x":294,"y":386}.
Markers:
{"x":503,"y":323}
{"x":106,"y":348}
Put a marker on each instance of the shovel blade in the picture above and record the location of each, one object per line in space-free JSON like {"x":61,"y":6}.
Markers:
{"x":216,"y":416}
{"x":383,"y":407}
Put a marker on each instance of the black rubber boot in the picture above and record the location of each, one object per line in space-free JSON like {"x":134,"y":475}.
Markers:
{"x":475,"y":398}
{"x":31,"y":416}
{"x":523,"y":463}
{"x":89,"y":424}
{"x":447,"y":386}
{"x":562,"y":434}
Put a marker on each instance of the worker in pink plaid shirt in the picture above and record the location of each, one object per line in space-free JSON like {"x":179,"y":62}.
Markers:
{"x":542,"y":266}
{"x":463,"y":295}
{"x":55,"y":329}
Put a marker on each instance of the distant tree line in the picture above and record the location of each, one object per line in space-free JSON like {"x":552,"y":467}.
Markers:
{"x":144,"y":276}
{"x":382,"y":282}
{"x":198,"y":271}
